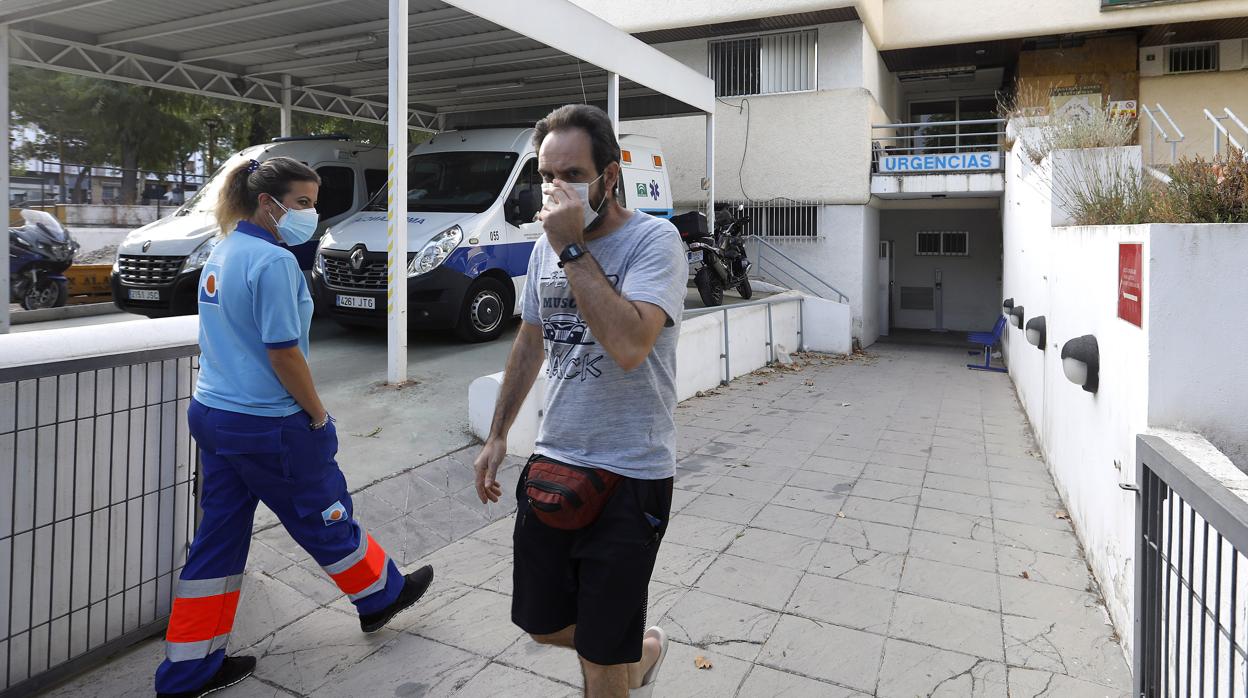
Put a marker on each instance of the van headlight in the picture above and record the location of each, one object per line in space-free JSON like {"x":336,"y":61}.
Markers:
{"x":200,"y":255}
{"x":436,"y":251}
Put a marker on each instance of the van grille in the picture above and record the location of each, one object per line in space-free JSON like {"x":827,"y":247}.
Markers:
{"x":149,"y":269}
{"x":370,"y":277}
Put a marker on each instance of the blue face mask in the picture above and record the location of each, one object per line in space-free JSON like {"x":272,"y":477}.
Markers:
{"x":296,"y":226}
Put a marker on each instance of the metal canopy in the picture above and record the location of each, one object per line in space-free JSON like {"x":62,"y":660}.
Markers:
{"x":466,"y":57}
{"x":482,"y":62}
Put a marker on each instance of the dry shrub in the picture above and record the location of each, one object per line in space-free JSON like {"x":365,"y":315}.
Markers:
{"x":1199,"y":191}
{"x":1203,"y":191}
{"x":1066,"y":131}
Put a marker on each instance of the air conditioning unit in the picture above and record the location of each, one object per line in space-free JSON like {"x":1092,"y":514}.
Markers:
{"x":1199,"y":57}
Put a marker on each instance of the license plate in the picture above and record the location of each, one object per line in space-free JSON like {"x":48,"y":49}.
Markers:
{"x":695,"y":257}
{"x":359,"y":302}
{"x":139,"y":294}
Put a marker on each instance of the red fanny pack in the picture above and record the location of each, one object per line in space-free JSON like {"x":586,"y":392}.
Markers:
{"x":567,"y":497}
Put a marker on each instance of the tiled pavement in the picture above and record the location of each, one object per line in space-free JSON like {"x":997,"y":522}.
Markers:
{"x":875,"y":526}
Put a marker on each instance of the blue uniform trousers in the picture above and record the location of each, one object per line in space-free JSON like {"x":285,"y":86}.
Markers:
{"x":282,"y":462}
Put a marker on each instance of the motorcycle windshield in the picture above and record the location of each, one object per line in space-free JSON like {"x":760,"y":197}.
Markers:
{"x":44,"y":227}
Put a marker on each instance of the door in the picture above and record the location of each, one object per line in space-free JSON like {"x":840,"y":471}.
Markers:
{"x":885,"y":285}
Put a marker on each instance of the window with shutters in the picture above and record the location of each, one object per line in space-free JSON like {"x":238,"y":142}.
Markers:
{"x":1196,"y":58}
{"x":946,"y":243}
{"x":764,"y":64}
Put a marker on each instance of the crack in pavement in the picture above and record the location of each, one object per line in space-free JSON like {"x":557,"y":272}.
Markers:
{"x":955,"y":677}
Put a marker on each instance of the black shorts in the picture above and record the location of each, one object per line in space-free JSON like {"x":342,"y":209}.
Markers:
{"x":596,"y":578}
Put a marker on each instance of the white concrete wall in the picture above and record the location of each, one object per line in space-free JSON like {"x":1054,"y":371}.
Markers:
{"x":906,"y":23}
{"x":1198,"y":378}
{"x":825,"y":328}
{"x":884,"y":85}
{"x":842,"y":56}
{"x":112,"y":216}
{"x":1179,"y":370}
{"x":813,"y":146}
{"x":810,"y":145}
{"x":1070,"y":276}
{"x":649,"y":15}
{"x":845,"y":255}
{"x":971,"y":284}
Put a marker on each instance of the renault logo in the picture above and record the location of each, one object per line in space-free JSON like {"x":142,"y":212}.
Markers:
{"x":147,"y":245}
{"x":357,"y":259}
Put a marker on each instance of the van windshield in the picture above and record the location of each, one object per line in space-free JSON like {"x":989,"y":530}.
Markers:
{"x":205,"y":200}
{"x":455,"y":182}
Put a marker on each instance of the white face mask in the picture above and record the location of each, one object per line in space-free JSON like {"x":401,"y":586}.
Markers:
{"x":582,"y":190}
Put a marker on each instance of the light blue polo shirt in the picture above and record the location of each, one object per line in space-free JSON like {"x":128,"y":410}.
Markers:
{"x":252,"y":298}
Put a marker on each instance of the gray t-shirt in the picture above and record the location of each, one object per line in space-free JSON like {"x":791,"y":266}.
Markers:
{"x":596,"y":414}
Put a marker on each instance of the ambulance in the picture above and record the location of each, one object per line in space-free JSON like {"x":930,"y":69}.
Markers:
{"x":470,"y":195}
{"x":156,"y":271}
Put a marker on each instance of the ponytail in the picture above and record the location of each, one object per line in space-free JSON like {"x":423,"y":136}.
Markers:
{"x":243,"y":186}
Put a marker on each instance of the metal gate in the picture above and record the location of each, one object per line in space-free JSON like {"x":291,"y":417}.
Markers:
{"x":1191,"y":594}
{"x":98,"y":470}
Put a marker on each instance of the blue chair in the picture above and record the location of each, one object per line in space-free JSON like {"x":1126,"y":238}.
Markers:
{"x":987,"y":340}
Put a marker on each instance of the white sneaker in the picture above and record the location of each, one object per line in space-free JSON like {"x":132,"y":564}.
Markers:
{"x":651,"y":677}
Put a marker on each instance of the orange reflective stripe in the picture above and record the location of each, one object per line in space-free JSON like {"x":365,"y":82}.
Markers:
{"x":364,"y":573}
{"x":203,"y":618}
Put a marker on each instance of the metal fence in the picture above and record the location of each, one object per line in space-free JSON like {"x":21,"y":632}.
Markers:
{"x":98,"y":469}
{"x":1158,"y":130}
{"x":941,"y":146}
{"x":1223,"y":137}
{"x":779,"y":217}
{"x":1191,"y":594}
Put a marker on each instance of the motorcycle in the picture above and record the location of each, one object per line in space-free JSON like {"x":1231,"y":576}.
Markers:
{"x":719,"y":259}
{"x":40,"y":250}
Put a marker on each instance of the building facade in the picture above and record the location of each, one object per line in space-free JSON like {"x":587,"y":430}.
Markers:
{"x":863,"y":135}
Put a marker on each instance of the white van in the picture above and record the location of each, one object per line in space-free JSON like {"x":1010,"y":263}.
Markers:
{"x":156,"y":272}
{"x":469,"y":193}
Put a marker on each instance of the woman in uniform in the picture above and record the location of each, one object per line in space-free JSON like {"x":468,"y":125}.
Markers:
{"x":263,"y":433}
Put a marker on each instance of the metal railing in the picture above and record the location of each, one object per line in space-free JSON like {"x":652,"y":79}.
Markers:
{"x":726,"y":351}
{"x":1191,"y":598}
{"x":98,"y":468}
{"x":772,"y":263}
{"x":940,"y":139}
{"x":1160,"y":130}
{"x":780,"y":217}
{"x":1220,"y":131}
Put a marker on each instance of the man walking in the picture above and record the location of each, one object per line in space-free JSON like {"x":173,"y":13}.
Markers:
{"x":602,"y":304}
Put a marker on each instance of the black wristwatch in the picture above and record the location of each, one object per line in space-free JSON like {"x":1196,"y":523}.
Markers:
{"x":571,"y":253}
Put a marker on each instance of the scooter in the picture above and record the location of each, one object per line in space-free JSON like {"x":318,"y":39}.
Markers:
{"x":719,"y":260}
{"x":40,"y":250}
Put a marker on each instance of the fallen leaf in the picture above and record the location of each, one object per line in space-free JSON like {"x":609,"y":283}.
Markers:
{"x":370,"y":435}
{"x":1024,"y":575}
{"x":1063,"y":516}
{"x":762,"y":382}
{"x":840,"y":514}
{"x":702,"y":662}
{"x":844,"y":404}
{"x":809,"y":381}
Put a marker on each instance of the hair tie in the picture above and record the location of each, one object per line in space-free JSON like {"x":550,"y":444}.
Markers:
{"x":252,"y":166}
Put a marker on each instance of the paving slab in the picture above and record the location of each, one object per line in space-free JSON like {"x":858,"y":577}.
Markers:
{"x":887,"y":532}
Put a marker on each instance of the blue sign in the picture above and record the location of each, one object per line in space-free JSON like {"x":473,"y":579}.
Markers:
{"x":937,"y":163}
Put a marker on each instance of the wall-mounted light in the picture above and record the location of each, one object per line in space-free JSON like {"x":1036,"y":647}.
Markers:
{"x":1036,"y":332}
{"x":1016,"y":316}
{"x":1081,"y":362}
{"x":1007,"y":305}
